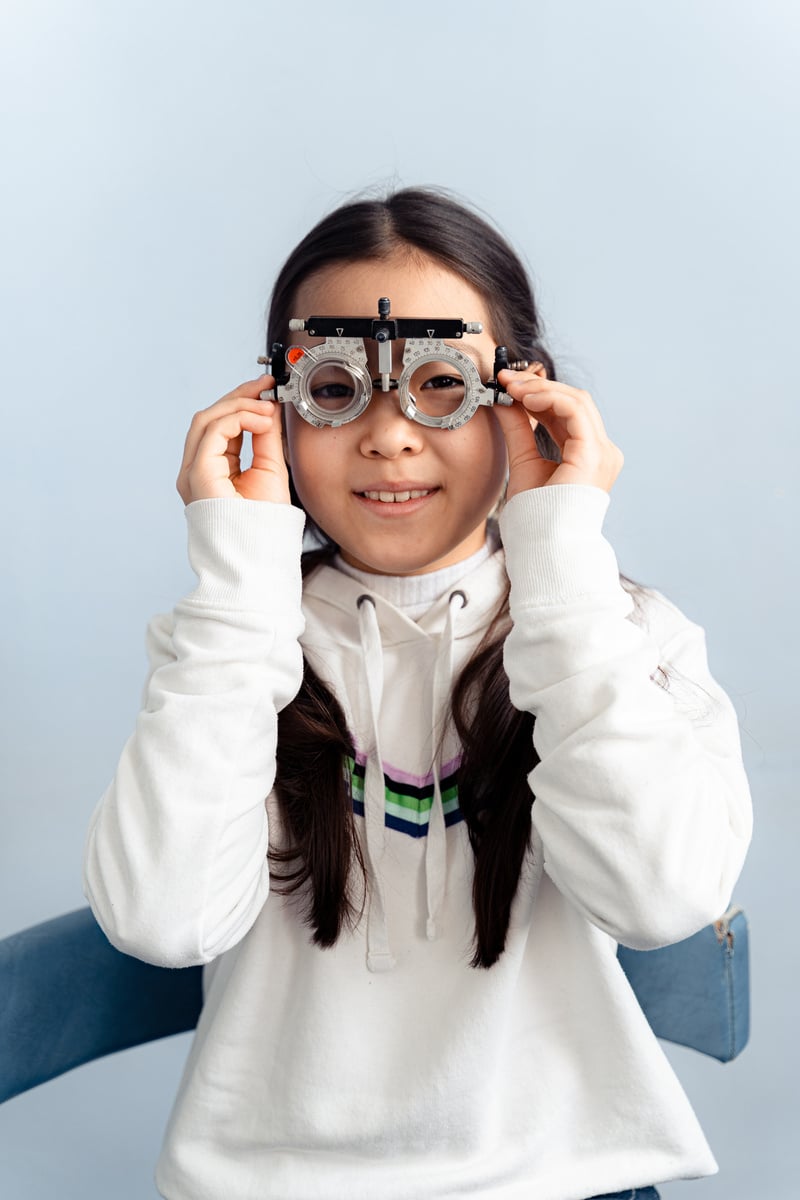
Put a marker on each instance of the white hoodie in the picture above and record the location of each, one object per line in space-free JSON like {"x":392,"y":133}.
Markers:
{"x":386,"y":1068}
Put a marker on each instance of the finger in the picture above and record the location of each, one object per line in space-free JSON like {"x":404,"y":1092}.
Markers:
{"x":268,"y":447}
{"x":534,"y":370}
{"x":587,"y":453}
{"x":246,"y":395}
{"x":515,"y":421}
{"x":577,"y":397}
{"x":564,"y":411}
{"x":217,"y":463}
{"x":573,"y":421}
{"x":526,"y":466}
{"x":222,"y":434}
{"x":250,"y":388}
{"x":201,"y":422}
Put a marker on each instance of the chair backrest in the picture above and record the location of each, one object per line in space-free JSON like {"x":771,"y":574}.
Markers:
{"x":67,"y":996}
{"x":697,"y":992}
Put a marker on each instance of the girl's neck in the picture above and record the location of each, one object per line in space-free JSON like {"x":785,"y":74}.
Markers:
{"x":415,"y":594}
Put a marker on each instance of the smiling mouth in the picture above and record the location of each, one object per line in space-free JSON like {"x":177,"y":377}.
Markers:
{"x":396,"y":497}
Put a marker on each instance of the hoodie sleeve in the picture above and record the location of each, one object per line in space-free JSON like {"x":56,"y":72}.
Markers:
{"x":175,"y":865}
{"x":641,"y":799}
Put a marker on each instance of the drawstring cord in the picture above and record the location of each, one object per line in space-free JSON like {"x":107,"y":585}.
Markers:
{"x":379,"y":955}
{"x":436,"y":850}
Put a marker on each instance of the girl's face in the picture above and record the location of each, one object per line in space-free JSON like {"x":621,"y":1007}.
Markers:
{"x":338,"y":472}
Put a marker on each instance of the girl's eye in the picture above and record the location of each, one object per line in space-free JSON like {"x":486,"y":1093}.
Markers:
{"x":444,"y":381}
{"x":331,"y":392}
{"x":330,"y":387}
{"x":436,"y":389}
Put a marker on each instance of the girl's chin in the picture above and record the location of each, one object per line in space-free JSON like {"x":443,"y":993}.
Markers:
{"x":409,"y":563}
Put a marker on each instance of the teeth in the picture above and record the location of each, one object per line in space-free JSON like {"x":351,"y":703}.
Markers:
{"x":396,"y":497}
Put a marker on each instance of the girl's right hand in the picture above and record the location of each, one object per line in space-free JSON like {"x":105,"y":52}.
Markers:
{"x":211,"y":464}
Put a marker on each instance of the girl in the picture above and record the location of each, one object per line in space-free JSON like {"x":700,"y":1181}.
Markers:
{"x":472,"y":794}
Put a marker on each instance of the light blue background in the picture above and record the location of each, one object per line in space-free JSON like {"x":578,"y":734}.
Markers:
{"x":159,"y":160}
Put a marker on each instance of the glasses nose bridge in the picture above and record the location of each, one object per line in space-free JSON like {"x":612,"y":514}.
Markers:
{"x":377,"y":385}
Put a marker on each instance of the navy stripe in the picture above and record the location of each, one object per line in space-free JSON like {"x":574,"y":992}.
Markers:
{"x":410,"y":827}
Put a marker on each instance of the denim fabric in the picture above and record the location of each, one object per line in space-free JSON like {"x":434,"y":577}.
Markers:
{"x":640,"y":1193}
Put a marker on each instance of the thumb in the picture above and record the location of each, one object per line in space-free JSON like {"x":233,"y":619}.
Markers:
{"x":268,"y":449}
{"x":518,"y":427}
{"x":526,"y":467}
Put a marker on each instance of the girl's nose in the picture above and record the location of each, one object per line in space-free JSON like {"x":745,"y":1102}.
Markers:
{"x":385,"y":431}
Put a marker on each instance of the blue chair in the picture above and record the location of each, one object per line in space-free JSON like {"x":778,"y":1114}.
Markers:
{"x":67,"y":996}
{"x":696,"y":993}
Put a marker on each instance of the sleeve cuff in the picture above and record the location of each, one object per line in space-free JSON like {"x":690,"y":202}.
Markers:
{"x":555,"y":549}
{"x":242,"y":551}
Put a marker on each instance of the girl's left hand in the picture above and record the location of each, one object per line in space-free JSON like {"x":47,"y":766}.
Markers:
{"x":571,"y":418}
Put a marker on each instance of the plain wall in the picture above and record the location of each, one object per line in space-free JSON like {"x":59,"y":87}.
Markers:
{"x":159,"y":160}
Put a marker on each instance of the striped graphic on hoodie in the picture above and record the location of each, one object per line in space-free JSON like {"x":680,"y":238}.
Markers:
{"x":408,"y":798}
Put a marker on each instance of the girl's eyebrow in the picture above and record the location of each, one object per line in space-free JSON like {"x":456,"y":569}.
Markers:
{"x":456,"y":344}
{"x":470,"y":351}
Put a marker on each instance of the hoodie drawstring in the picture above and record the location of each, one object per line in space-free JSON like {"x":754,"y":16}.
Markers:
{"x":436,"y":850}
{"x":379,"y":955}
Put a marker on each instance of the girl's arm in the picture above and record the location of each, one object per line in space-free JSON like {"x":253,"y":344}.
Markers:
{"x":642,"y":804}
{"x":175,"y":865}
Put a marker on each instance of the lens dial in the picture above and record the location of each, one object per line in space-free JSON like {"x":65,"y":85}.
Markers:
{"x":330,"y":384}
{"x":437,"y":388}
{"x":440,"y":385}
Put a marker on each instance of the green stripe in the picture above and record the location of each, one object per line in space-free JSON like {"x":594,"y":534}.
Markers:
{"x":407,"y":814}
{"x":450,"y":800}
{"x":418,"y":804}
{"x":408,"y":808}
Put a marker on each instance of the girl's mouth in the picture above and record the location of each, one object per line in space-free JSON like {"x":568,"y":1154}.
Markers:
{"x":396,"y":497}
{"x":397,"y":503}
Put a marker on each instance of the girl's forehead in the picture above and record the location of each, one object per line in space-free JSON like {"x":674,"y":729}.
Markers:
{"x":417,"y":287}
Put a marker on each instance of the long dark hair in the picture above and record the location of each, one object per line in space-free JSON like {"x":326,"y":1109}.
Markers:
{"x":321,"y":859}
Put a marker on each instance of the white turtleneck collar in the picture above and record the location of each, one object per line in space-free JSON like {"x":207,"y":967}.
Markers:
{"x":415,"y":594}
